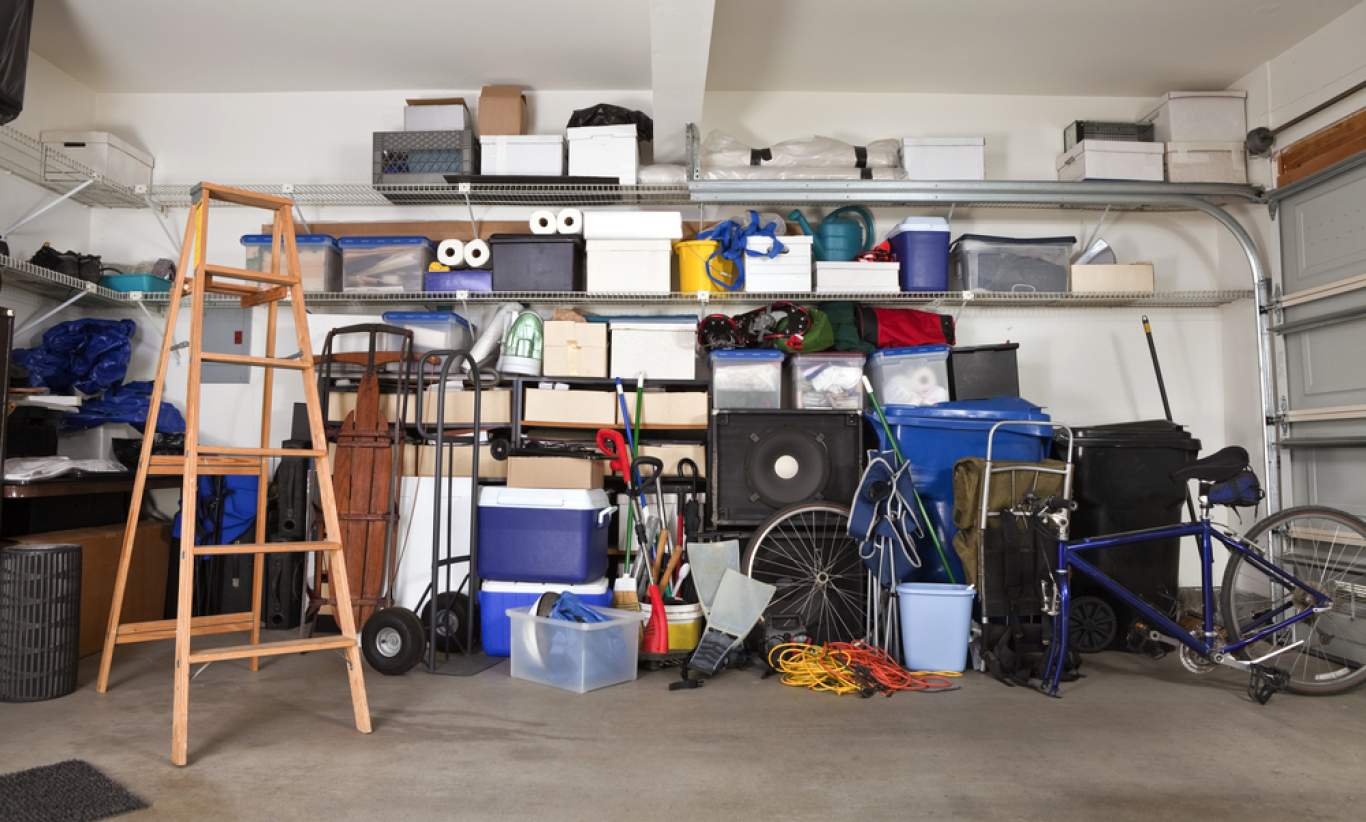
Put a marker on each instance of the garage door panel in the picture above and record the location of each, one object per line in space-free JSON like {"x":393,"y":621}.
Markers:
{"x":1323,"y":233}
{"x":1330,"y":476}
{"x":1327,"y":366}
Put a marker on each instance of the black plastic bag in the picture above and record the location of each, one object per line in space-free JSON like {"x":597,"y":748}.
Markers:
{"x":16,"y":20}
{"x":606,"y":114}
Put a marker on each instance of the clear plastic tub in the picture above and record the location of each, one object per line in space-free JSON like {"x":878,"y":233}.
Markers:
{"x":433,"y":330}
{"x":747,"y":379}
{"x":392,"y":264}
{"x":574,"y":656}
{"x":985,"y":263}
{"x":320,"y":262}
{"x":918,"y":375}
{"x":829,"y":380}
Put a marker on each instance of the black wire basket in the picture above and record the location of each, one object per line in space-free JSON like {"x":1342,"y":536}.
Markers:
{"x":40,"y":621}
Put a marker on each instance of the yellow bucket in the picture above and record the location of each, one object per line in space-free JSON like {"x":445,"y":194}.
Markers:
{"x":685,"y":625}
{"x":692,"y":266}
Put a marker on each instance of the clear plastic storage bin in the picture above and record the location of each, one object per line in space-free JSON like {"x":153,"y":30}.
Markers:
{"x":385,"y":263}
{"x":985,"y":263}
{"x":918,"y":375}
{"x":828,"y":380}
{"x":320,"y":262}
{"x":433,"y":330}
{"x":747,"y":379}
{"x":575,"y":656}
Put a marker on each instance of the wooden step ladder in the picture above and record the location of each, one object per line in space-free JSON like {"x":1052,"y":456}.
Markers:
{"x":199,"y":459}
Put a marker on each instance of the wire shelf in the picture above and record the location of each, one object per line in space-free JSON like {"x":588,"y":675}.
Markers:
{"x":481,"y":194}
{"x":58,"y":286}
{"x":27,"y":158}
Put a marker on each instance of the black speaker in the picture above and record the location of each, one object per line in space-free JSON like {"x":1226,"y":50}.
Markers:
{"x":762,"y":461}
{"x":287,"y":521}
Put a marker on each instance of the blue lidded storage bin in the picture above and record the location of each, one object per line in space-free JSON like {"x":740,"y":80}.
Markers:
{"x":465,"y":279}
{"x":319,"y":259}
{"x":495,"y":598}
{"x":385,"y":264}
{"x":543,"y":534}
{"x":921,"y":245}
{"x":125,"y":283}
{"x":747,"y":378}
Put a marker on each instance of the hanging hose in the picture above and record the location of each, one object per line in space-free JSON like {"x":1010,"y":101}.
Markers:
{"x":851,"y":668}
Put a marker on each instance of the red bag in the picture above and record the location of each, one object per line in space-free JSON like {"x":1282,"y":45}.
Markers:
{"x":899,"y":327}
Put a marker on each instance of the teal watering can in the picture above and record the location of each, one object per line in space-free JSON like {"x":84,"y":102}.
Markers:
{"x":836,"y":238}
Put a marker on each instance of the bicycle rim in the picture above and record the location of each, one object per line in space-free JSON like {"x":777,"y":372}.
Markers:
{"x":806,"y":553}
{"x":1326,"y":549}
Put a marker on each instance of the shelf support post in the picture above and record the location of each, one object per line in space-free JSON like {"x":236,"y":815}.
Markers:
{"x":45,"y":207}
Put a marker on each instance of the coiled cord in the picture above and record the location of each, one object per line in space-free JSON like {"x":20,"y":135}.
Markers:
{"x":851,"y":668}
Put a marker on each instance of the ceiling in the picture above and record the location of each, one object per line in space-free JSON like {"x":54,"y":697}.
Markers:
{"x":1062,"y":47}
{"x":321,"y":45}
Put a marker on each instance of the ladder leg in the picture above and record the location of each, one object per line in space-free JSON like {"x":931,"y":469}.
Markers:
{"x":180,"y":716}
{"x":258,"y":562}
{"x":130,"y":527}
{"x":336,"y":561}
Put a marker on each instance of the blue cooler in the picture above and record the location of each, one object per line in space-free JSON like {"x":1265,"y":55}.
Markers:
{"x":934,"y":438}
{"x":543,"y":534}
{"x":921,"y":245}
{"x":495,"y":629}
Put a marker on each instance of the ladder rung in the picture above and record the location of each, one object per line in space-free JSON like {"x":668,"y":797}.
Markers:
{"x":163,"y":465}
{"x":293,"y":646}
{"x":247,"y":359}
{"x":249,"y":451}
{"x":199,"y":626}
{"x":265,"y":548}
{"x":266,"y":295}
{"x":240,"y":196}
{"x":244,"y":274}
{"x":212,"y":286}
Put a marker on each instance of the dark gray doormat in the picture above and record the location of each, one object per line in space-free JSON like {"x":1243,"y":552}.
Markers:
{"x":70,"y":791}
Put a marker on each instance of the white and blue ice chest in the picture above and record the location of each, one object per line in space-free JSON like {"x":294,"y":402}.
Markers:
{"x":543,"y":534}
{"x":495,"y":598}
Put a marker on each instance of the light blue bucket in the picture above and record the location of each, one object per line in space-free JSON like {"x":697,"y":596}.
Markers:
{"x":935,"y":622}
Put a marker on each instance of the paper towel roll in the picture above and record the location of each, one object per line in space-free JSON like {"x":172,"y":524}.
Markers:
{"x":451,"y":253}
{"x":476,"y":254}
{"x":569,"y":221}
{"x":543,"y":222}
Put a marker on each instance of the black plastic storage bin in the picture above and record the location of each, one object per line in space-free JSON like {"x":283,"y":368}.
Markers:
{"x":1123,"y":483}
{"x":984,"y":372}
{"x":40,"y":621}
{"x":537,"y":262}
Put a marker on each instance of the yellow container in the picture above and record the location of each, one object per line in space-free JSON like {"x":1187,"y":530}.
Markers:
{"x":685,"y":625}
{"x":692,"y":266}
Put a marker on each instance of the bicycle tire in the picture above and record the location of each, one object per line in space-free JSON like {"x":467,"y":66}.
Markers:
{"x":1336,"y":681}
{"x":830,"y":599}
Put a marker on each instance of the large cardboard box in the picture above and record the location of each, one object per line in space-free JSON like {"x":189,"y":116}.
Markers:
{"x":145,"y":596}
{"x":671,"y":453}
{"x":495,"y":406}
{"x":574,"y":349}
{"x":458,"y":461}
{"x":573,"y":407}
{"x":502,"y":110}
{"x":554,"y":472}
{"x":670,"y":408}
{"x":1132,"y":277}
{"x":660,"y":351}
{"x":340,"y":403}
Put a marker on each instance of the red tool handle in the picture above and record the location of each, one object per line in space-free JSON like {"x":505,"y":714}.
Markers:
{"x":613,"y":446}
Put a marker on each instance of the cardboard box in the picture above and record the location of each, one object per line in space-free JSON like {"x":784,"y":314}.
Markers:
{"x":554,"y":472}
{"x":573,"y":407}
{"x":339,"y":404}
{"x":439,"y":114}
{"x":495,"y":406}
{"x":1134,"y":277}
{"x":661,"y":351}
{"x":670,"y":408}
{"x":457,"y":462}
{"x":574,"y":349}
{"x":502,"y":110}
{"x":671,"y":453}
{"x":145,"y":597}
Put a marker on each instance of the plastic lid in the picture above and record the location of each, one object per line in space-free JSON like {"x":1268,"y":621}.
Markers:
{"x":998,"y":408}
{"x":920,"y":224}
{"x":1138,"y":434}
{"x":910,"y":351}
{"x":991,"y":238}
{"x":499,"y":239}
{"x":494,"y":586}
{"x":423,"y":318}
{"x":405,"y":239}
{"x":301,"y":239}
{"x":564,"y":499}
{"x":973,"y":349}
{"x":747,"y":354}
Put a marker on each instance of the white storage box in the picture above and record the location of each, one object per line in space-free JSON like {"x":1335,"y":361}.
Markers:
{"x":1207,"y":162}
{"x":534,"y":154}
{"x":95,"y":443}
{"x":916,"y":375}
{"x":416,"y":512}
{"x":660,"y":351}
{"x":829,"y":380}
{"x":834,"y":277}
{"x":319,"y":259}
{"x":629,"y":265}
{"x":575,"y":656}
{"x":385,"y":264}
{"x":1111,"y":160}
{"x":446,"y":114}
{"x":633,"y":225}
{"x":747,"y":378}
{"x":789,"y":271}
{"x":604,"y":151}
{"x":103,"y":153}
{"x":432,"y":330}
{"x":651,"y":506}
{"x":1134,"y":277}
{"x":944,"y":158}
{"x":1200,"y":116}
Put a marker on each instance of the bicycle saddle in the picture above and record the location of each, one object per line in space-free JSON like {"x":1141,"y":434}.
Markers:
{"x":1226,"y":463}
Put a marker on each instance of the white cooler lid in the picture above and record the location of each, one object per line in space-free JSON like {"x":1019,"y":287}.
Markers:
{"x":598,"y":587}
{"x":564,"y":499}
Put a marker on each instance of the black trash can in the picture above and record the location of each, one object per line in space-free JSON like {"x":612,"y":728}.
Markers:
{"x":40,"y":621}
{"x":1123,"y":482}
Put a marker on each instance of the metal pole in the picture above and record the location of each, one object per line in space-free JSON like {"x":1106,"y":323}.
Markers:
{"x":45,"y":207}
{"x":41,"y":317}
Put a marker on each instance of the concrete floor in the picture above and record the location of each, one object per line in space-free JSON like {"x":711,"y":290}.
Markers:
{"x":1134,"y":740}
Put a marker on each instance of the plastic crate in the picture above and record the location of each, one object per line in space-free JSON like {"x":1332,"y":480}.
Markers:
{"x":982,"y":372}
{"x":433,"y":330}
{"x":319,"y":259}
{"x":575,"y":656}
{"x":747,"y":379}
{"x":148,"y":283}
{"x":385,"y":264}
{"x":497,"y":598}
{"x":423,"y":157}
{"x":985,"y":263}
{"x":914,"y":375}
{"x":537,"y":262}
{"x":827,"y":381}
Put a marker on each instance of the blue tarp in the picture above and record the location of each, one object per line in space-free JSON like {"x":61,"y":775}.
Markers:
{"x":124,"y":403}
{"x":82,"y":356}
{"x":239,"y":510}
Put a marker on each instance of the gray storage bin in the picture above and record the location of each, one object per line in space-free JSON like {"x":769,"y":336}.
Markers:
{"x":423,"y":157}
{"x":985,"y":263}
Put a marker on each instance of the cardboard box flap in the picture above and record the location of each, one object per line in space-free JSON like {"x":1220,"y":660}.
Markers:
{"x":436,"y":101}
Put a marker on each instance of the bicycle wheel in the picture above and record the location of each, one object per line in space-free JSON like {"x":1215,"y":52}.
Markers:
{"x":1326,"y":549}
{"x":805,"y":551}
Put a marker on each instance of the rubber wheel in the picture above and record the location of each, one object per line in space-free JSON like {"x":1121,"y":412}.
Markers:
{"x":1329,"y":559}
{"x":392,"y":641}
{"x":1092,"y":625}
{"x":451,"y":608}
{"x":499,"y":448}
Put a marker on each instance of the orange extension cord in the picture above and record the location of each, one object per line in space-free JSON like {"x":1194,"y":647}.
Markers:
{"x":851,"y":668}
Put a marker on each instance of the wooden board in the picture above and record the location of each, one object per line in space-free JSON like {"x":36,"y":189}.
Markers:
{"x":362,"y":478}
{"x":1325,"y":147}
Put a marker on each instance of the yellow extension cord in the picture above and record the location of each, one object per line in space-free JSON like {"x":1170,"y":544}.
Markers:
{"x":851,"y":668}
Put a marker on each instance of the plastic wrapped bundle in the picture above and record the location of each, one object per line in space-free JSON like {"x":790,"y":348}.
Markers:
{"x":800,"y":173}
{"x":721,"y":150}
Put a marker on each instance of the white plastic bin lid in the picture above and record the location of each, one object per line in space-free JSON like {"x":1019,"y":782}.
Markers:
{"x":1107,"y":146}
{"x":596,"y":588}
{"x":522,"y":139}
{"x":920,"y":224}
{"x":943,"y":141}
{"x":563,"y":499}
{"x":627,"y":130}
